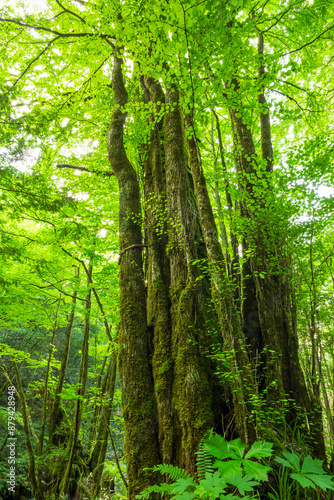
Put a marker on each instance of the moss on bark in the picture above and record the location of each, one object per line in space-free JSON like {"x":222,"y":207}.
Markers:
{"x":192,"y":382}
{"x":138,"y":399}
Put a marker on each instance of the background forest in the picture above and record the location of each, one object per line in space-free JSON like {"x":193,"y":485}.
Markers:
{"x":166,"y":225}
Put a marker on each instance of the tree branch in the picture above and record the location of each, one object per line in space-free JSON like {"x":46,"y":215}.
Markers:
{"x":97,"y":298}
{"x":42,"y":28}
{"x":54,"y":286}
{"x":83,"y":169}
{"x":29,"y":66}
{"x":299,"y":106}
{"x":136,"y":245}
{"x":70,"y":12}
{"x":308,"y":43}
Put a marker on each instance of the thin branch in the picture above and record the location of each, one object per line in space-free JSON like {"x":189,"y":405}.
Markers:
{"x":15,"y":36}
{"x":54,"y":286}
{"x":42,"y":28}
{"x":291,"y":99}
{"x":29,"y":66}
{"x":276,"y":22}
{"x":86,"y":81}
{"x":131,"y":247}
{"x":83,"y":169}
{"x":70,"y":12}
{"x":308,"y":43}
{"x":97,"y":298}
{"x":296,"y":86}
{"x":278,"y":38}
{"x":195,"y":5}
{"x":115,"y":452}
{"x":18,"y":235}
{"x":299,"y":106}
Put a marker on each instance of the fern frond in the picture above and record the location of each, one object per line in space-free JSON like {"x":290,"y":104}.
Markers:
{"x":155,"y":488}
{"x":204,"y":458}
{"x":173,"y":472}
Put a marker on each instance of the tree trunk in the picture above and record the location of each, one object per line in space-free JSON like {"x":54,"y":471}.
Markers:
{"x":266,"y":144}
{"x":243,"y":387}
{"x":158,"y":272}
{"x":192,"y":383}
{"x":56,"y":416}
{"x":284,"y":376}
{"x":100,"y":449}
{"x":33,"y":479}
{"x":67,"y":485}
{"x":138,"y":400}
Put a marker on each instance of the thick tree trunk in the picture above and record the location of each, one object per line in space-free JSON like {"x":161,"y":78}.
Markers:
{"x":192,"y":383}
{"x":158,"y":272}
{"x":138,"y":399}
{"x":243,"y":387}
{"x":284,"y":376}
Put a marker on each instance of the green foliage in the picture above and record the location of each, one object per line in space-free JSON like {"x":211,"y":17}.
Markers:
{"x":235,"y":469}
{"x":55,"y":101}
{"x":238,"y":469}
{"x":309,"y":473}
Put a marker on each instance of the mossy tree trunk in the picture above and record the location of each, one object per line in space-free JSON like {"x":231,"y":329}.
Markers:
{"x":158,"y":270}
{"x":243,"y":387}
{"x":138,"y":399}
{"x":192,"y":382}
{"x":284,"y":378}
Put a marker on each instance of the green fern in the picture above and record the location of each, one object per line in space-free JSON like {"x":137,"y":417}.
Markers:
{"x":204,"y":458}
{"x":155,"y":488}
{"x":173,"y":472}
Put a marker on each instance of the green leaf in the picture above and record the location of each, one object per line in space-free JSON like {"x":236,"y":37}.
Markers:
{"x":292,"y":461}
{"x":218,"y":447}
{"x":258,"y":471}
{"x":303,"y":481}
{"x":311,"y":465}
{"x":186,"y":495}
{"x":182,"y":484}
{"x":260,"y":449}
{"x":283,"y":462}
{"x":324,"y":481}
{"x":230,"y":467}
{"x":238,"y":446}
{"x":243,"y":483}
{"x":213,"y":484}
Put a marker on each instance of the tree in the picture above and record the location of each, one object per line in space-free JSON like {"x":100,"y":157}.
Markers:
{"x":189,"y":307}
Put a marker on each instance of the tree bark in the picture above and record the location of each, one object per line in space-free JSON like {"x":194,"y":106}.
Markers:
{"x":284,"y":376}
{"x":243,"y":387}
{"x":158,"y":271}
{"x":192,"y":383}
{"x":138,"y":399}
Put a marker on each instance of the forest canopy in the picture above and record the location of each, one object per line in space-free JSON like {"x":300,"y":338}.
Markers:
{"x":166,"y":226}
